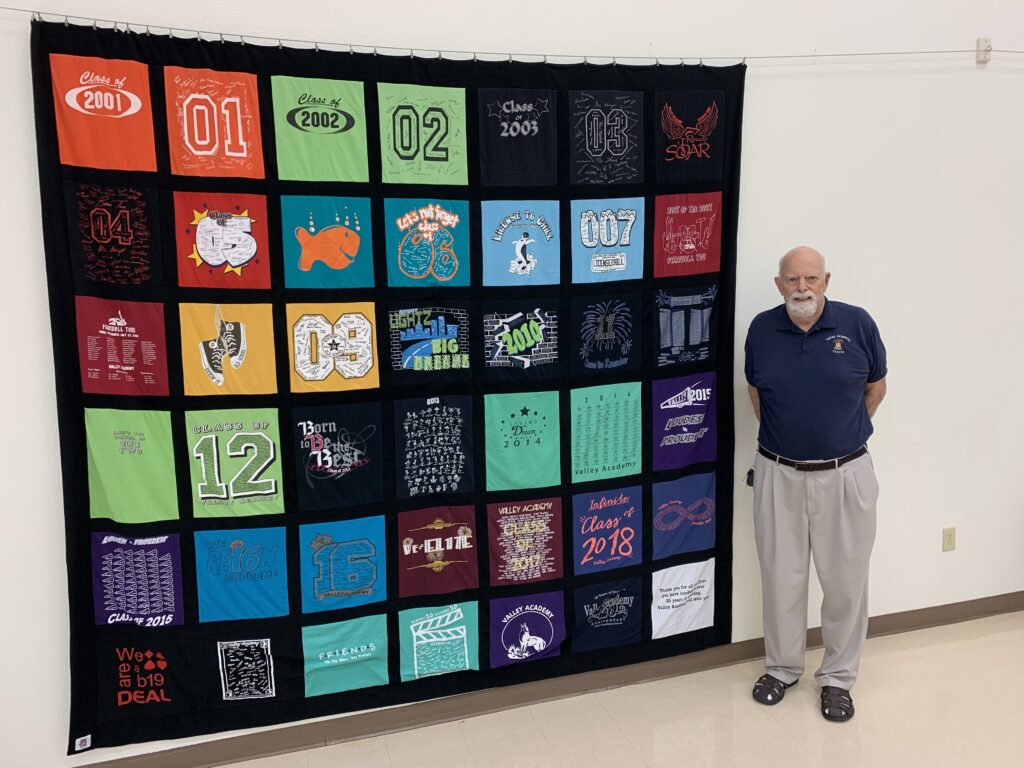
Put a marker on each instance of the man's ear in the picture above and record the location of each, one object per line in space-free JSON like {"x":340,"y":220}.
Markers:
{"x":828,"y":275}
{"x":778,"y":284}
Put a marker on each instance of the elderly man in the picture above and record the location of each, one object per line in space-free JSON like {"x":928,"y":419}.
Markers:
{"x":816,"y":374}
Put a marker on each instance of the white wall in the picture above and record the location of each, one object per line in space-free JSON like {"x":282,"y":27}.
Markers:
{"x":906,"y":172}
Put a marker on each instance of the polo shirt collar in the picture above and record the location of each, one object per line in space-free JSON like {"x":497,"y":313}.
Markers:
{"x":825,"y":322}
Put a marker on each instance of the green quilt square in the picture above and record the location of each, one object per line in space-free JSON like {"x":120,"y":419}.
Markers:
{"x":422,"y":134}
{"x":320,"y":128}
{"x":345,"y":655}
{"x":235,"y":462}
{"x":522,"y":433}
{"x":131,"y":465}
{"x":438,"y":640}
{"x":606,"y":424}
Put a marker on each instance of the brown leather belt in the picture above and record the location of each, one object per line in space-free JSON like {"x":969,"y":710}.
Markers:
{"x":812,"y":466}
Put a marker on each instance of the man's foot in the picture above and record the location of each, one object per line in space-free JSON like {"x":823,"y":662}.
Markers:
{"x":770,"y":690}
{"x":836,"y":704}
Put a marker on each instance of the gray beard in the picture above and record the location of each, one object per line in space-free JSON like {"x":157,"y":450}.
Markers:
{"x":802,"y":310}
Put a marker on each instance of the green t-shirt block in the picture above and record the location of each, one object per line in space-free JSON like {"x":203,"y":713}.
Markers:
{"x":522,"y":440}
{"x":235,"y":462}
{"x":422,"y":134}
{"x":131,"y":465}
{"x":345,"y":655}
{"x":438,"y":640}
{"x":606,"y":422}
{"x":320,"y":128}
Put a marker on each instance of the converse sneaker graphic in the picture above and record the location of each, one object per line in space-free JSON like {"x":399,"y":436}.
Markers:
{"x":211,"y":355}
{"x":232,"y":336}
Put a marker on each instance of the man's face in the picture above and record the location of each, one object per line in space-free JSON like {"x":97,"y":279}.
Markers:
{"x":802,"y":282}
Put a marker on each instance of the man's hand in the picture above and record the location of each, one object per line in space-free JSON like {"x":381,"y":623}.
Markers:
{"x":756,"y":402}
{"x":873,"y":394}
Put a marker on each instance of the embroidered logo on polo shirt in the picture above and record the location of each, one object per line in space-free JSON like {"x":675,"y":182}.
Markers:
{"x":836,"y":340}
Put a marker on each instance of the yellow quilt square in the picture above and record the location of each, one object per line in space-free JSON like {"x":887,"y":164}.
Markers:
{"x":228,"y":349}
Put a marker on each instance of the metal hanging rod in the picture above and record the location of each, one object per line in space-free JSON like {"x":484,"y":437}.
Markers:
{"x":205,"y":34}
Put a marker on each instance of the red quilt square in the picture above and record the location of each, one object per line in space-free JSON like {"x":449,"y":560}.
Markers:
{"x":687,"y":234}
{"x":221,"y":240}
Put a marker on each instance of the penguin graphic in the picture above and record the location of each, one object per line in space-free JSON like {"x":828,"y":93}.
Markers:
{"x":524,"y":263}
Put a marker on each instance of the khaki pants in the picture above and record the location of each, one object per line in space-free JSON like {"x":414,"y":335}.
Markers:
{"x":832,"y":514}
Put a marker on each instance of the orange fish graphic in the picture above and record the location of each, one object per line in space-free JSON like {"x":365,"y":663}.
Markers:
{"x":335,"y":246}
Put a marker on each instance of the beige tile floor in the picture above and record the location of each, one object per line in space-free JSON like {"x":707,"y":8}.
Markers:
{"x":946,"y":696}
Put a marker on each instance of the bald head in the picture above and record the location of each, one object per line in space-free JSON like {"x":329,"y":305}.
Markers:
{"x":803,"y":258}
{"x":802,"y":282}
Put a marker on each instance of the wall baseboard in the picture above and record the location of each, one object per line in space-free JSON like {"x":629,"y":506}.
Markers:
{"x":349,"y":727}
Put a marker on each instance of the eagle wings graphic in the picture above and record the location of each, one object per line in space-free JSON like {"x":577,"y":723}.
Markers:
{"x":689,"y":140}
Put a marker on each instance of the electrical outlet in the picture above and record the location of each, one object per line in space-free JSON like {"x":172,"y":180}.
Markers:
{"x":948,"y":539}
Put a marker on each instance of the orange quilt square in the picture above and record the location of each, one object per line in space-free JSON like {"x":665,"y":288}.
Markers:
{"x":213,"y":123}
{"x":104,"y":113}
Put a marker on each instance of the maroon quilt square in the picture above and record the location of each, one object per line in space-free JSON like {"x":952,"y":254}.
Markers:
{"x":121,"y":346}
{"x":437,"y":551}
{"x":525,"y":541}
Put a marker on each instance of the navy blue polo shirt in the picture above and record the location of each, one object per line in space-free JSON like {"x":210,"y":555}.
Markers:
{"x":811,"y":385}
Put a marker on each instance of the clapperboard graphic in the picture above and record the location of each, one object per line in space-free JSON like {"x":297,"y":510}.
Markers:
{"x":438,"y":647}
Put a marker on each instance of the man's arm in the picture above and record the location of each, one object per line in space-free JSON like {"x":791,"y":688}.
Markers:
{"x":873,"y":394}
{"x":756,"y":401}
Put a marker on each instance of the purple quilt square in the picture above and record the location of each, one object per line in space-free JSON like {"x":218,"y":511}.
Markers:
{"x":685,"y":428}
{"x":527,"y":628}
{"x":137,"y":580}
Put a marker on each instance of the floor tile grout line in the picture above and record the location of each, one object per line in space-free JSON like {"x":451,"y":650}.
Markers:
{"x":624,"y":737}
{"x":625,"y":734}
{"x":469,"y":747}
{"x":531,"y":708}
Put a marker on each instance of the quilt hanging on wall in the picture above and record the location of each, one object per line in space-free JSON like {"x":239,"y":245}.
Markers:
{"x":380,"y":378}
